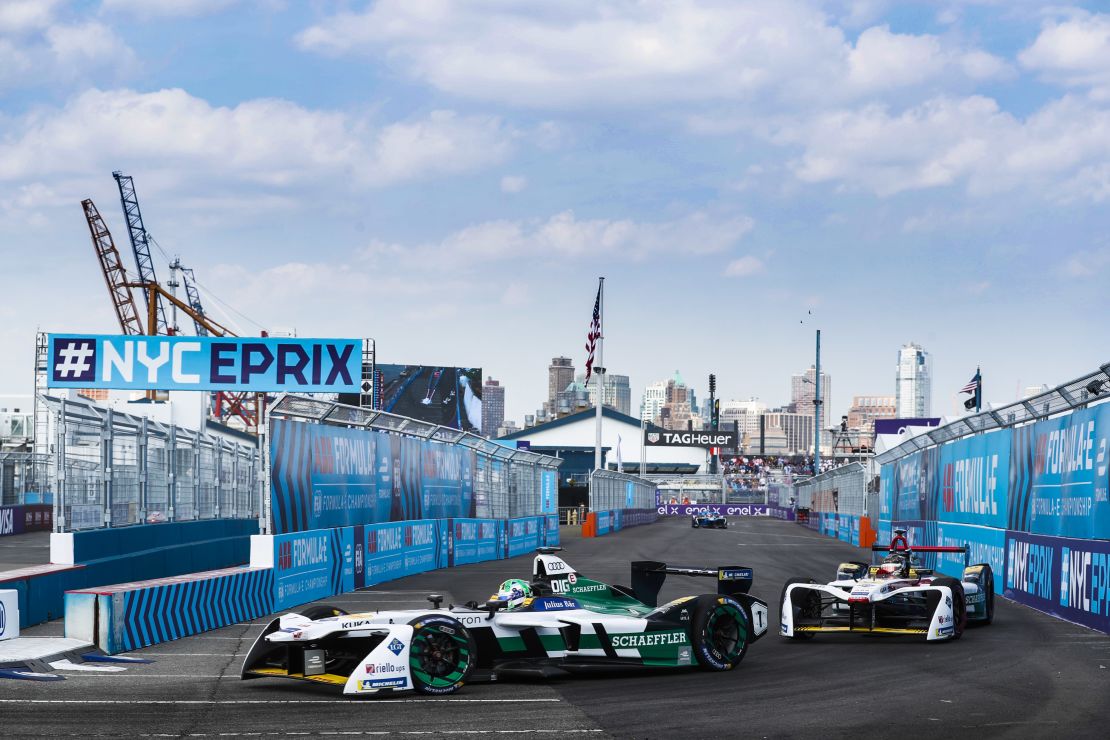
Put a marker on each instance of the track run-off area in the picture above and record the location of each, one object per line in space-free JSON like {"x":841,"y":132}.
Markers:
{"x":1027,"y":675}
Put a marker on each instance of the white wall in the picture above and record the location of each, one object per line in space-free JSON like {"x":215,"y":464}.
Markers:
{"x":583,"y":434}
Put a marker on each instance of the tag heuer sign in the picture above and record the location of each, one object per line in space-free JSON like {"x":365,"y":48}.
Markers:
{"x":706,"y":438}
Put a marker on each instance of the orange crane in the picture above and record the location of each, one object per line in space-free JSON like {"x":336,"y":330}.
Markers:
{"x":247,"y":407}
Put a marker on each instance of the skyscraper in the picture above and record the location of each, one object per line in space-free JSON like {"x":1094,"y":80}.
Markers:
{"x":618,"y":392}
{"x":655,"y":395}
{"x":560,"y":374}
{"x":803,"y":391}
{"x":913,"y":384}
{"x":493,"y":407}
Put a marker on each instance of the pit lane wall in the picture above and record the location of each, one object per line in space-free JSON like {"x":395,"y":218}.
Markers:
{"x":1031,"y":500}
{"x":289,"y":570}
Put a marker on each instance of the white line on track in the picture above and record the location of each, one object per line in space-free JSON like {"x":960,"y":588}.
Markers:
{"x":791,"y":544}
{"x":350,"y":733}
{"x":191,"y":655}
{"x":371,"y":702}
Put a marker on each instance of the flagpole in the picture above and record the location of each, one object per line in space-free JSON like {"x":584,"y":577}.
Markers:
{"x":979,"y":389}
{"x":601,"y":369}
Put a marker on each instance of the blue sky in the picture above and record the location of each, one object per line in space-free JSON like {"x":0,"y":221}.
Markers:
{"x":451,"y":177}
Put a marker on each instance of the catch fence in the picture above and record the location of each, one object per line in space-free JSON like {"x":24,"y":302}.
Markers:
{"x":110,"y":469}
{"x":610,"y":490}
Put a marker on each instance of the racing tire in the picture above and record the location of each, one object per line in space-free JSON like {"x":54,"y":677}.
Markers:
{"x":720,"y":631}
{"x":322,"y":611}
{"x":986,"y":584}
{"x":694,"y":523}
{"x":441,"y":656}
{"x":959,"y":605}
{"x":810,"y":609}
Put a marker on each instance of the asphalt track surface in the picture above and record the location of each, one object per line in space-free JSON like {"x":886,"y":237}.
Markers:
{"x":1028,"y":675}
{"x":23,"y":550}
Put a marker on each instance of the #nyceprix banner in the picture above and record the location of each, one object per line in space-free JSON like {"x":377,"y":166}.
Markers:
{"x":1065,"y":577}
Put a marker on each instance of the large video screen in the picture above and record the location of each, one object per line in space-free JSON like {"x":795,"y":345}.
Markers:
{"x":448,"y":396}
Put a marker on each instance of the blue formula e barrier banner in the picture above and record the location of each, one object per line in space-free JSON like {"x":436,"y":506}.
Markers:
{"x":549,"y":496}
{"x":1059,"y":481}
{"x":474,"y":540}
{"x":204,"y":363}
{"x":1065,"y":577}
{"x":325,"y":476}
{"x":313,"y":565}
{"x":523,"y":535}
{"x":404,"y":549}
{"x":985,"y":545}
{"x":975,"y":476}
{"x":551,"y":529}
{"x":915,"y":485}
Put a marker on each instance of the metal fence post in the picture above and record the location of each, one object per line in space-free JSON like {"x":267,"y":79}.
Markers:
{"x":143,"y":462}
{"x":237,"y":453}
{"x":60,"y":470}
{"x":171,"y":474}
{"x":196,"y":478}
{"x":218,"y":453}
{"x":106,"y":453}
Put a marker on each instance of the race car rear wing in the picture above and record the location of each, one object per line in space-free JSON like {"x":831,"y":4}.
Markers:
{"x":648,"y":577}
{"x":902,"y":547}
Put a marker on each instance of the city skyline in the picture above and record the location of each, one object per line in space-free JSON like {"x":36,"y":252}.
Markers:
{"x":884,"y":171}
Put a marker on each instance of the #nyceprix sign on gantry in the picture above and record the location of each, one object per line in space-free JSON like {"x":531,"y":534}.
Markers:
{"x":204,"y":363}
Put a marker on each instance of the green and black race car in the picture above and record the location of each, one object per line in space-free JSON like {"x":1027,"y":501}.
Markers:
{"x":558,"y":624}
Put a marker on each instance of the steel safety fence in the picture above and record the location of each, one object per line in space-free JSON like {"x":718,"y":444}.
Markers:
{"x":842,"y":490}
{"x":612,"y":490}
{"x":507,"y":481}
{"x":24,"y":478}
{"x":1089,"y":389}
{"x":111,"y":469}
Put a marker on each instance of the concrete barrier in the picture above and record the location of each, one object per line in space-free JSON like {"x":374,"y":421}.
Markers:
{"x":129,"y":616}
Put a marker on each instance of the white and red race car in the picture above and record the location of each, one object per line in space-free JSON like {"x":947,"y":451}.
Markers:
{"x":896,"y":596}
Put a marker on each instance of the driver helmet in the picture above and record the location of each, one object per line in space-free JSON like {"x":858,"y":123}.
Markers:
{"x":513,"y":592}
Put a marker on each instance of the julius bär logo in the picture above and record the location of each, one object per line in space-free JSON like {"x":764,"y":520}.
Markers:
{"x":74,"y":360}
{"x":285,"y":555}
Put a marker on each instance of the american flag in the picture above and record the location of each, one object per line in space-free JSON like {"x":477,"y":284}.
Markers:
{"x":972,"y":385}
{"x":593,"y":335}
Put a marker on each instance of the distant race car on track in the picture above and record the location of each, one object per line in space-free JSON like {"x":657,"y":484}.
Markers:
{"x":895,"y":596}
{"x":708,"y":519}
{"x":559,"y":623}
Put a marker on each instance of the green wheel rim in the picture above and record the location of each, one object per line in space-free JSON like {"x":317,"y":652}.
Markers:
{"x":726,"y":631}
{"x":438,"y":659}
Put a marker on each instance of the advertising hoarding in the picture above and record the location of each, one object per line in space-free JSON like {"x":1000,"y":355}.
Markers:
{"x":204,"y":363}
{"x":326,"y":476}
{"x":975,"y":476}
{"x":447,"y":396}
{"x":1059,"y":481}
{"x":706,"y":438}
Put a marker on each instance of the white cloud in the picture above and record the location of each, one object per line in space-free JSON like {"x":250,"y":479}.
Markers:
{"x":1086,"y":264}
{"x":648,"y":52}
{"x":265,"y":142}
{"x":1074,"y":52}
{"x":565,"y":236}
{"x":147,"y":9}
{"x":1061,"y":151}
{"x":744,"y":267}
{"x":22,"y":16}
{"x":513,"y":183}
{"x":88,"y":43}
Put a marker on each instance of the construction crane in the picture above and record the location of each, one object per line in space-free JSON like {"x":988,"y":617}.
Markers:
{"x":140,"y":244}
{"x":245,"y":406}
{"x":192,"y":296}
{"x":119,"y":289}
